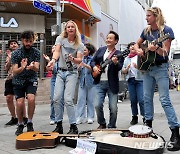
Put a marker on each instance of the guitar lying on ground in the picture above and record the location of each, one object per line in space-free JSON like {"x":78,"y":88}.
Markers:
{"x":103,"y":65}
{"x":144,"y":62}
{"x":34,"y":140}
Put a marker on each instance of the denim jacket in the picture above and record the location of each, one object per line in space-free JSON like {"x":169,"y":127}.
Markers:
{"x":85,"y":74}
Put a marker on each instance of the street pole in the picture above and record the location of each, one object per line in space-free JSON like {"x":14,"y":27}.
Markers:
{"x":42,"y":49}
{"x":58,"y":16}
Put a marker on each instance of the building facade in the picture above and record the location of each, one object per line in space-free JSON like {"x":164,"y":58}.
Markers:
{"x":19,"y":15}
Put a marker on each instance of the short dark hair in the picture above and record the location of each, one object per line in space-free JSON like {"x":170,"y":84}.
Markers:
{"x":91,"y":48}
{"x":131,"y":43}
{"x":10,"y":41}
{"x":27,"y":35}
{"x":115,"y":34}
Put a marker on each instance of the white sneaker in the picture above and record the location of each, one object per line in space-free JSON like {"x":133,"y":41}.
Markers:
{"x":81,"y":121}
{"x":78,"y":121}
{"x":90,"y":121}
{"x":52,"y":122}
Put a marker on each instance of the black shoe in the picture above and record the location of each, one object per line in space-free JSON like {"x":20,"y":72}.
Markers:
{"x":12,"y":122}
{"x":174,"y":143}
{"x":134,"y":120}
{"x":30,"y":127}
{"x":102,"y":126}
{"x":59,"y":128}
{"x":148,"y":123}
{"x":73,"y":129}
{"x":19,"y":130}
{"x":25,"y":120}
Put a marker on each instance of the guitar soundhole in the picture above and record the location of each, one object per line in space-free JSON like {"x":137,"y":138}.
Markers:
{"x":43,"y":133}
{"x":46,"y":134}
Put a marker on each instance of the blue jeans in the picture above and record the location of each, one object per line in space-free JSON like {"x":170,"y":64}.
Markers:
{"x":52,"y":85}
{"x":159,"y":75}
{"x":52,"y":112}
{"x":85,"y":95}
{"x":135,"y":88}
{"x":101,"y":89}
{"x":65,"y":88}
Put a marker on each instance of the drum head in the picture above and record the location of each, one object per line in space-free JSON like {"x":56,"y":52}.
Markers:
{"x":140,"y":129}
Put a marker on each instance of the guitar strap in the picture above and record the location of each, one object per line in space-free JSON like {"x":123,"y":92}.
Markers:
{"x":111,"y":54}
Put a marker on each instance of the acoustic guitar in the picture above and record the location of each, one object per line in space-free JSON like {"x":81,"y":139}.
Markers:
{"x":34,"y":140}
{"x":144,"y":62}
{"x":103,"y":65}
{"x":115,"y":141}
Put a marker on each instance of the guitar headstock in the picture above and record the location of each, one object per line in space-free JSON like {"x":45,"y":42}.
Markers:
{"x":125,"y":53}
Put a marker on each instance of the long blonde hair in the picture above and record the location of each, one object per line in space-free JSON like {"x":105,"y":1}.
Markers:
{"x":64,"y":33}
{"x":160,"y":21}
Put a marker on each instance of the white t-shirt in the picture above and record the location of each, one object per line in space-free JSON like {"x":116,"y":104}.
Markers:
{"x":68,"y":48}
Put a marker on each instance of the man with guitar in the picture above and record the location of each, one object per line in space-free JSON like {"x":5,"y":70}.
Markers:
{"x":106,"y":79}
{"x":157,"y":73}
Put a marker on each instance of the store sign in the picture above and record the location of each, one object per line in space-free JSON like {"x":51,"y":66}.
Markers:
{"x":11,"y":23}
{"x":17,"y":23}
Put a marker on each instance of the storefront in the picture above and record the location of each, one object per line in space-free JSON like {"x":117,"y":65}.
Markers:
{"x":19,"y":15}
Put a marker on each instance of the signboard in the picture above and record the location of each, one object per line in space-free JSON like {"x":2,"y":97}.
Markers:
{"x":17,"y":23}
{"x":90,"y":6}
{"x":42,"y":6}
{"x":11,"y":23}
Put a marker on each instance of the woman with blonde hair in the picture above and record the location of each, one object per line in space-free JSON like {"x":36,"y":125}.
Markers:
{"x":69,"y":51}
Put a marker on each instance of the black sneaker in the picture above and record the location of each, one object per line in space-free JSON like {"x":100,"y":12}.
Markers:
{"x":30,"y":127}
{"x":25,"y":120}
{"x":59,"y":128}
{"x":73,"y":129}
{"x":19,"y":130}
{"x":134,"y":120}
{"x":12,"y":122}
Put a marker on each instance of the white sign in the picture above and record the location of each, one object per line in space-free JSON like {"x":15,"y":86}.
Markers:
{"x":17,"y":23}
{"x":84,"y":147}
{"x":11,"y":23}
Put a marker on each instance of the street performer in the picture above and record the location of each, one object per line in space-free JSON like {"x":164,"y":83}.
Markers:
{"x":158,"y":72}
{"x":107,"y":81}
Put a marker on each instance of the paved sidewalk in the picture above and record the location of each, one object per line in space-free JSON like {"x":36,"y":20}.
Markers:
{"x":41,"y":123}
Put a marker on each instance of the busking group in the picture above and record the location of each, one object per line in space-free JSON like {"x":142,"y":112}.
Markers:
{"x":84,"y":76}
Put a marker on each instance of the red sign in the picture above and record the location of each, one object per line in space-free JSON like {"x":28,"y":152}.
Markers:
{"x":85,"y":4}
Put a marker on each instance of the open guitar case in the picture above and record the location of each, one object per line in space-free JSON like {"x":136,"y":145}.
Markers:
{"x":105,"y":148}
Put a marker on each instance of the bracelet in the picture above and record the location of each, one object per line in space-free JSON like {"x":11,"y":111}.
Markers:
{"x":54,"y":59}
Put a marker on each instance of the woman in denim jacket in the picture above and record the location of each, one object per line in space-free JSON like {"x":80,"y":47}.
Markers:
{"x":86,"y":90}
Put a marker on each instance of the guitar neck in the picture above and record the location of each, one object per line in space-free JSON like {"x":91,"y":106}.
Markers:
{"x":161,"y":39}
{"x":72,"y":135}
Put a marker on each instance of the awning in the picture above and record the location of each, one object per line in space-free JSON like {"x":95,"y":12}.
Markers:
{"x":73,"y":9}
